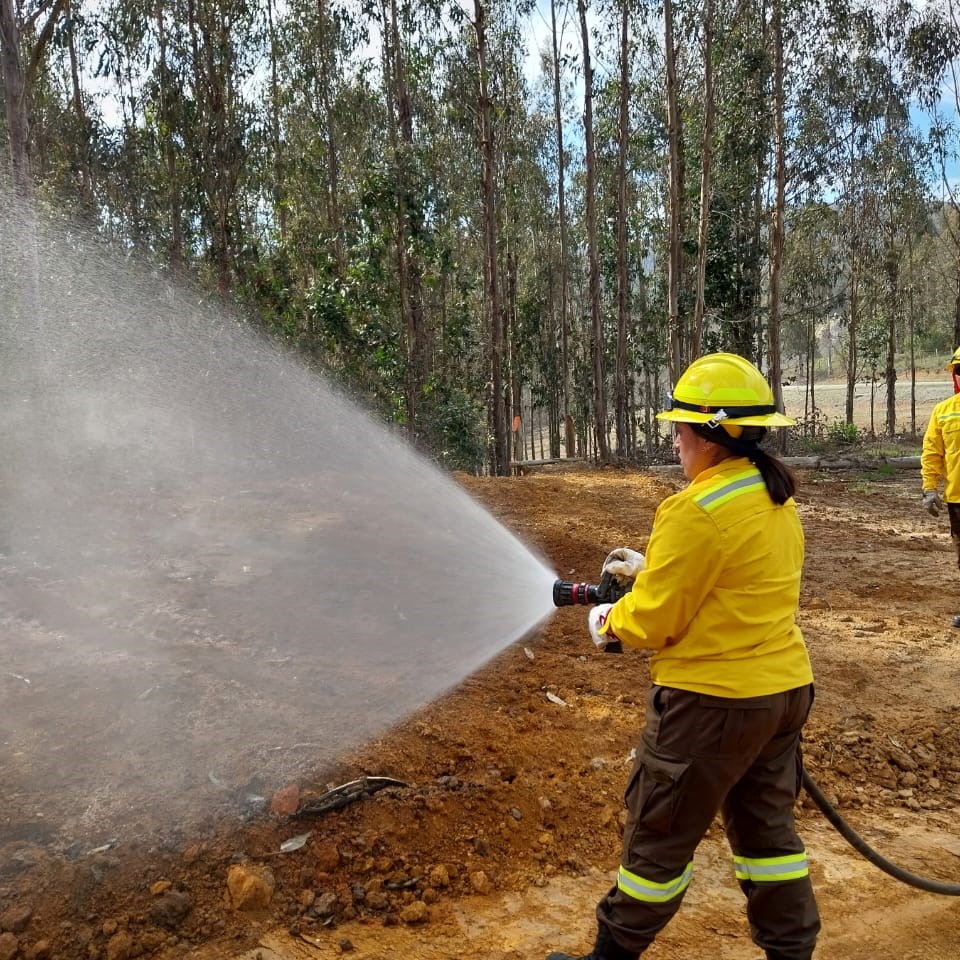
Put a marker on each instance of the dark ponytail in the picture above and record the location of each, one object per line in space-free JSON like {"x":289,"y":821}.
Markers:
{"x":781,"y":484}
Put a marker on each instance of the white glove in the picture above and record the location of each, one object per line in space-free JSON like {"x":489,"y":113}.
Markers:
{"x":596,"y":618}
{"x":623,"y":564}
{"x":932,"y":503}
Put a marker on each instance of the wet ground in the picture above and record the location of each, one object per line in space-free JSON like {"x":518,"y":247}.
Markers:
{"x":507,"y":828}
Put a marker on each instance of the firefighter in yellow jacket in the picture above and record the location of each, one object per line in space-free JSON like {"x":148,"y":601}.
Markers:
{"x":715,"y":599}
{"x":940,"y":459}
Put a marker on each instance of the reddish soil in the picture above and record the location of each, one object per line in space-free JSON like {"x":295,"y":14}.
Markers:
{"x":508,"y":828}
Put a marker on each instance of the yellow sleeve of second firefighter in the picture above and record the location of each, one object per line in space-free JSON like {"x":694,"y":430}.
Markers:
{"x":931,"y":458}
{"x":683,"y":560}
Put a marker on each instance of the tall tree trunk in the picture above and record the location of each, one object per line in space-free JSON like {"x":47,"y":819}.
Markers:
{"x":751,"y":334}
{"x":709,"y":108}
{"x":956,"y":303}
{"x":17,"y":82}
{"x":516,"y":381}
{"x":14,"y":91}
{"x":18,"y":228}
{"x":911,"y":320}
{"x":779,"y":212}
{"x":812,"y":375}
{"x":411,"y":295}
{"x":854,"y":297}
{"x":220,"y":163}
{"x":621,"y":397}
{"x":890,"y":367}
{"x":674,"y":201}
{"x":326,"y":52}
{"x":174,"y":193}
{"x":279,"y":186}
{"x":83,"y":142}
{"x":596,"y":321}
{"x":569,"y":437}
{"x":501,"y":457}
{"x":853,"y":333}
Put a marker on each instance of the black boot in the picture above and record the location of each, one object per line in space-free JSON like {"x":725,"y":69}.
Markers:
{"x":606,"y":948}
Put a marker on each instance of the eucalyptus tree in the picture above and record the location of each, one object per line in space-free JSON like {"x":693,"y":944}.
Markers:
{"x":740,"y":165}
{"x":488,"y":149}
{"x":181,"y":72}
{"x":898,"y":160}
{"x":777,"y":227}
{"x":933,"y":49}
{"x":706,"y":160}
{"x":521,"y":199}
{"x":328,"y":102}
{"x":876,"y":177}
{"x":837,"y":109}
{"x":593,"y":265}
{"x":169,"y":114}
{"x":718,"y":65}
{"x":23,"y":28}
{"x":63,"y":121}
{"x":561,"y":166}
{"x":621,"y":405}
{"x":627,"y":151}
{"x":678,"y":355}
{"x":225,"y":48}
{"x":812,"y":281}
{"x":80,"y":125}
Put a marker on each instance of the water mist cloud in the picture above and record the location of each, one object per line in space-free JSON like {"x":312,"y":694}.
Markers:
{"x":210,"y":556}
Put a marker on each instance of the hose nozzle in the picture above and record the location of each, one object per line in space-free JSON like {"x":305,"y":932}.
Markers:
{"x":566,"y":593}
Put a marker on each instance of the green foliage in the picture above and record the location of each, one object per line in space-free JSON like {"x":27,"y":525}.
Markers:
{"x":844,"y":434}
{"x":883,"y":472}
{"x":347,"y":326}
{"x":334,"y":186}
{"x":454,"y":427}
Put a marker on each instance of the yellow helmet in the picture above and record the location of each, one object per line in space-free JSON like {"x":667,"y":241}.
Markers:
{"x":724,"y":387}
{"x":954,"y":360}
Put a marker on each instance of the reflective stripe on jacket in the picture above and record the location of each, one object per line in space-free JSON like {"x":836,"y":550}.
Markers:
{"x":941,"y":450}
{"x":719,"y":592}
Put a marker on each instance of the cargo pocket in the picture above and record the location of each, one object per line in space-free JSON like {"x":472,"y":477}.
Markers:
{"x":653,"y":792}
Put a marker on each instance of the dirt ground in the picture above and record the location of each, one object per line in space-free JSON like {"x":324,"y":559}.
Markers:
{"x":507,"y":830}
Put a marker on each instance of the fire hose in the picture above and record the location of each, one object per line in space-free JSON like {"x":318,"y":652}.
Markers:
{"x":567,"y":593}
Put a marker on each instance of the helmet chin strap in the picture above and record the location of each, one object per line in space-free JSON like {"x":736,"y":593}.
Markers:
{"x":956,"y":380}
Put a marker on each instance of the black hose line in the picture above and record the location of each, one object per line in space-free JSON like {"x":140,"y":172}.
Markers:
{"x":863,"y":848}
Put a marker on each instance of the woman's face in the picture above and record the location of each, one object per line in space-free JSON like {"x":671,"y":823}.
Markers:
{"x":695,"y":453}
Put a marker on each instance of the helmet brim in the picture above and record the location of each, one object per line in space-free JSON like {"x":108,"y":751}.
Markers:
{"x":693,"y":416}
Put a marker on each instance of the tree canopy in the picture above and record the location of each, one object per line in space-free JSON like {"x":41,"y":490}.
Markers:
{"x":507,"y":224}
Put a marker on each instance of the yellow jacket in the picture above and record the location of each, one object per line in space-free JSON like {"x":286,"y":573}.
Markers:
{"x":720,"y":589}
{"x":941,"y":449}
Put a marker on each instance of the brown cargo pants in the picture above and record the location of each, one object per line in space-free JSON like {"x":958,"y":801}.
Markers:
{"x":953,"y":511}
{"x":699,"y":756}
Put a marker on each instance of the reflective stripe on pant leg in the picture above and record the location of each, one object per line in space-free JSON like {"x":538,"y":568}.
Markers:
{"x":772,"y":869}
{"x":769,"y":857}
{"x":649,"y":891}
{"x":684,"y":769}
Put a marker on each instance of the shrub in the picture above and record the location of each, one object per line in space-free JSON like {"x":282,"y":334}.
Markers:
{"x":843,"y":433}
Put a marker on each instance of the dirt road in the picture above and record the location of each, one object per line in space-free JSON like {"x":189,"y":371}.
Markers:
{"x":508,"y":829}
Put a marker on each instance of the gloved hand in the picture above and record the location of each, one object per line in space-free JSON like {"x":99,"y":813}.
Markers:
{"x":623,"y":564}
{"x":596,"y":618}
{"x":932,"y":503}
